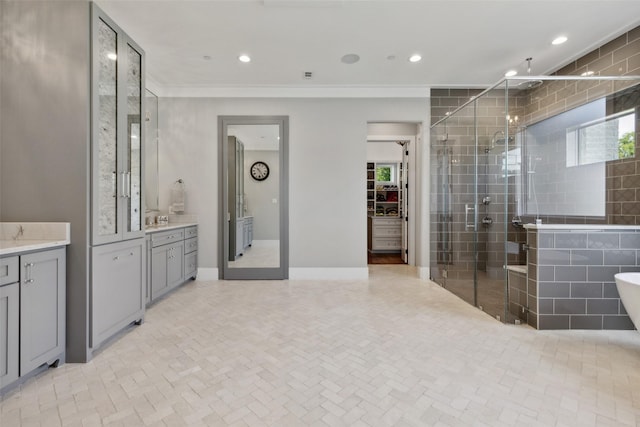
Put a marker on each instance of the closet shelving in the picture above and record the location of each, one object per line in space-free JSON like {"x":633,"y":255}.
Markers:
{"x":384,"y":206}
{"x":383,"y":199}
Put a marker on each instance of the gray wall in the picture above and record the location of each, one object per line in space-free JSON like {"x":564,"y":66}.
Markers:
{"x":259,"y":195}
{"x":44,"y":134}
{"x":327,"y":151}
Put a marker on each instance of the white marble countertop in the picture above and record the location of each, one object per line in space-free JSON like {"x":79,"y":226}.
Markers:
{"x":592,"y":227}
{"x":18,"y":237}
{"x":171,"y":226}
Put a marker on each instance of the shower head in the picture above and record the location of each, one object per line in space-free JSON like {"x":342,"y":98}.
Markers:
{"x":529,"y":84}
{"x":500,"y":141}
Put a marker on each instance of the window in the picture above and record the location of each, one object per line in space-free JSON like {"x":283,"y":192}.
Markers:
{"x":609,"y":138}
{"x":386,"y":174}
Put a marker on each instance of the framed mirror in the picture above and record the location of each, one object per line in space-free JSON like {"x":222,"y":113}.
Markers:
{"x":253,"y":197}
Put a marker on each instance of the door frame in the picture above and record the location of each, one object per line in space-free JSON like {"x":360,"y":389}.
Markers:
{"x":274,"y":273}
{"x":411,"y":190}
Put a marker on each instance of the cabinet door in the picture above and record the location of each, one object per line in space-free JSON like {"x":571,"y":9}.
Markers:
{"x":42,"y":308}
{"x":117,"y":280}
{"x":190,"y":265}
{"x":148,"y":246}
{"x":9,"y":343}
{"x":239,"y":237}
{"x":159,"y":260}
{"x":132,"y":148}
{"x":175,"y":265}
{"x":117,"y":103}
{"x":107,"y":179}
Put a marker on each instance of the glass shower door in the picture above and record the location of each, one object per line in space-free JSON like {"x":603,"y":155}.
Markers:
{"x":454,"y":222}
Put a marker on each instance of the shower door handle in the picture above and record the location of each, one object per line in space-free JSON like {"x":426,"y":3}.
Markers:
{"x":469,"y":209}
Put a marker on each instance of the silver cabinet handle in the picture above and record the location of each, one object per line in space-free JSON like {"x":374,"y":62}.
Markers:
{"x":469,"y":209}
{"x":128,"y":175}
{"x":27,"y":272}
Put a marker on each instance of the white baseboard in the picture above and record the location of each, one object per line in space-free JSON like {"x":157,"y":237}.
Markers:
{"x":207,"y":274}
{"x":328,"y":273}
{"x":424,"y":273}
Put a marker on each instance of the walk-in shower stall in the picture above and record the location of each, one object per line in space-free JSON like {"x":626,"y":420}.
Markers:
{"x":547,"y":148}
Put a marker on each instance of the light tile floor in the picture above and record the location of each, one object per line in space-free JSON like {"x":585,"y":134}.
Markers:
{"x":389,"y":351}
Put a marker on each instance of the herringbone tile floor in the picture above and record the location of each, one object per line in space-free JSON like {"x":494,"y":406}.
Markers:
{"x":389,"y":351}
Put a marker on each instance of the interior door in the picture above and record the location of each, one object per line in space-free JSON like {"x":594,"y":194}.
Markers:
{"x":404,"y":208}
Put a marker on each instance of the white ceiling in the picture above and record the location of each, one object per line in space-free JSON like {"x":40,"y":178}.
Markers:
{"x":463,"y":43}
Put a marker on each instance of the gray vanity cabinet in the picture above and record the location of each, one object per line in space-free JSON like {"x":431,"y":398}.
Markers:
{"x":9,"y":320}
{"x":191,"y":253}
{"x":118,"y":294}
{"x":32,"y":312}
{"x":167,"y":261}
{"x":42,"y":302}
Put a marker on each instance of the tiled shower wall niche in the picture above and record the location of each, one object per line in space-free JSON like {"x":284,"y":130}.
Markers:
{"x":571,"y":276}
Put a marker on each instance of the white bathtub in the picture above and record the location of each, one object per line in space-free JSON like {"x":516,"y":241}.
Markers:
{"x":628,"y":285}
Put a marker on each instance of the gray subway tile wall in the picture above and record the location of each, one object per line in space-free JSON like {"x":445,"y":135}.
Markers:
{"x":578,"y":291}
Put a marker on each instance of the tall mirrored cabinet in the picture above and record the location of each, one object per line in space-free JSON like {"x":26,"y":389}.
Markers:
{"x":117,"y":255}
{"x":79,"y":119}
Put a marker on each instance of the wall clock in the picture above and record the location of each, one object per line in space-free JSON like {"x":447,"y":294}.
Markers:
{"x":259,"y":171}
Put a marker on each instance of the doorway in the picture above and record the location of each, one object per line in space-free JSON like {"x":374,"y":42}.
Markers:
{"x":391,"y":197}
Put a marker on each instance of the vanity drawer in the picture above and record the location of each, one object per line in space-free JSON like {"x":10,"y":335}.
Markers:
{"x":190,"y":232}
{"x":166,"y":237}
{"x":9,"y":270}
{"x":190,"y":245}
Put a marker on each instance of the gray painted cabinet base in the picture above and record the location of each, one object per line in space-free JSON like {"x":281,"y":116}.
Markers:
{"x":174,"y":259}
{"x":9,"y":342}
{"x":32,"y":314}
{"x":42,"y":302}
{"x":118,"y":293}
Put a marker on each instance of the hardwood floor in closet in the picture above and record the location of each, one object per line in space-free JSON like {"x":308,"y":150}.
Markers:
{"x":384,"y":258}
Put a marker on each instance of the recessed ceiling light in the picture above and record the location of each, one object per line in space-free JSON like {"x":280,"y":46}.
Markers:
{"x":559,"y":40}
{"x":244,"y":58}
{"x":510,"y":73}
{"x":112,"y":56}
{"x":415,"y":58}
{"x":350,"y":58}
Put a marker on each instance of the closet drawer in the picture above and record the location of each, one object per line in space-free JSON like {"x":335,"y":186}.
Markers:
{"x":9,"y":271}
{"x":190,"y":245}
{"x":387,"y":231}
{"x":386,"y":243}
{"x":166,"y":237}
{"x":387,"y":222}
